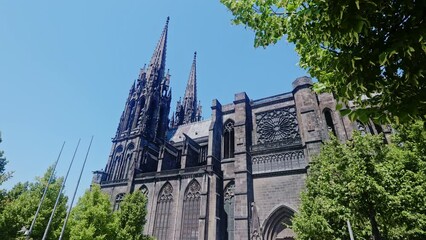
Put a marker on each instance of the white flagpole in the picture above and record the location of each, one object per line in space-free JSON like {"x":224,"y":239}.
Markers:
{"x":59,"y":193}
{"x":75,"y":191}
{"x":44,"y":193}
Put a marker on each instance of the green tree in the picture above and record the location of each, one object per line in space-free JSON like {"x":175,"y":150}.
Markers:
{"x":92,"y":217}
{"x":131,"y":217}
{"x":22,"y":203}
{"x":379,"y":188}
{"x":3,"y":175}
{"x":355,"y":48}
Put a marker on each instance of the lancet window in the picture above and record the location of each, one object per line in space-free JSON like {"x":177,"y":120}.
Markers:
{"x":118,"y":199}
{"x":329,"y":121}
{"x":113,"y":166}
{"x":229,"y":206}
{"x":191,"y":211}
{"x":162,"y":220}
{"x":228,"y":140}
{"x":131,"y":116}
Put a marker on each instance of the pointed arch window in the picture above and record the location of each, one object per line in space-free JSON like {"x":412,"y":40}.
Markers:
{"x":162,"y":225}
{"x":131,"y":116}
{"x":228,"y":140}
{"x":112,"y":167}
{"x":229,"y":205}
{"x":329,"y":121}
{"x":191,"y":211}
{"x":142,"y":102}
{"x":118,"y":199}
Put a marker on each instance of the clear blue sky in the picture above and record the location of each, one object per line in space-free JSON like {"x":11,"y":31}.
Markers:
{"x":66,"y":68}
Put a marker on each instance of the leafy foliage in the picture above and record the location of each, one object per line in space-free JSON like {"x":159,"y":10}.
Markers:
{"x":131,"y":217}
{"x":380,"y":188}
{"x":3,"y":177}
{"x":371,"y":52}
{"x":21,"y":203}
{"x":92,"y":217}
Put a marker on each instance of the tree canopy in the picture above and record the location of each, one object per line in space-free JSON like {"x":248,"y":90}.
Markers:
{"x":380,"y":188}
{"x":93,"y":218}
{"x":21,"y":203}
{"x":369,"y":52}
{"x":131,"y":217}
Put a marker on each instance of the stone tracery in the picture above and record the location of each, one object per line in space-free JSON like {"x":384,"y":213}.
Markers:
{"x":278,"y":125}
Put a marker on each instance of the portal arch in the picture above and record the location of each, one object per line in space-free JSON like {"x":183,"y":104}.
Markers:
{"x":277,"y":225}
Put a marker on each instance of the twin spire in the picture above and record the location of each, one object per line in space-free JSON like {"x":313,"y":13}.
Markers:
{"x":189,"y":110}
{"x":148,"y":105}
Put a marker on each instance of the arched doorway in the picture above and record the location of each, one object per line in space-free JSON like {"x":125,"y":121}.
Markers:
{"x":276,"y":226}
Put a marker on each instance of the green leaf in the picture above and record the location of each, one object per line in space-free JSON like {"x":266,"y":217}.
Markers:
{"x":358,"y":26}
{"x":345,"y":112}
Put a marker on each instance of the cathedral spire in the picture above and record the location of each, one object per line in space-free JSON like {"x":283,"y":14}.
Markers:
{"x":188,"y":110}
{"x":158,"y":59}
{"x":148,"y":105}
{"x":190,"y":98}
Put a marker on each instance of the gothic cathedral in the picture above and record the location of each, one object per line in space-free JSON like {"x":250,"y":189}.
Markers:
{"x":236,"y":175}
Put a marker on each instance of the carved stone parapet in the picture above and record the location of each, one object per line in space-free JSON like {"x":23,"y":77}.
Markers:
{"x":281,"y":161}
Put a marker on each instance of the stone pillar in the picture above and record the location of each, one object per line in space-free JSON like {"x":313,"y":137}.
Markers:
{"x":308,"y":112}
{"x":215,"y":135}
{"x":242,"y":133}
{"x":160,"y":159}
{"x":212,"y":200}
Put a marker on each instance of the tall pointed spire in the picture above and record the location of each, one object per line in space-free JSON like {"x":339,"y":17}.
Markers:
{"x":158,"y":59}
{"x":148,"y":105}
{"x":190,"y":98}
{"x":188,"y":110}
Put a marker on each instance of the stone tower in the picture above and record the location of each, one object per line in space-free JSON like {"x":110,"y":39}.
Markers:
{"x":144,"y":121}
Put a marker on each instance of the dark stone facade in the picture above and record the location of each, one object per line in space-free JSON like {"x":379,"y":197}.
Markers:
{"x":236,"y":175}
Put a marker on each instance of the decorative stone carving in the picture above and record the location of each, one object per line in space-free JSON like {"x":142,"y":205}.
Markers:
{"x":166,"y":193}
{"x":278,"y":125}
{"x":229,"y":192}
{"x":229,"y":126}
{"x":144,"y":190}
{"x":193,"y":190}
{"x":279,"y":161}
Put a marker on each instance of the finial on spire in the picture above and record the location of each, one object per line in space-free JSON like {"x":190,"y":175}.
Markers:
{"x":158,"y":59}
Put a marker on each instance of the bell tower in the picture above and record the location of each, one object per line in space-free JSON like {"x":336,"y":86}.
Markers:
{"x":144,"y":121}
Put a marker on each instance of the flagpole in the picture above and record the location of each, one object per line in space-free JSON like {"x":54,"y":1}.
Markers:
{"x":351,"y":235}
{"x":75,"y":191}
{"x":60,"y":192}
{"x":44,"y":193}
